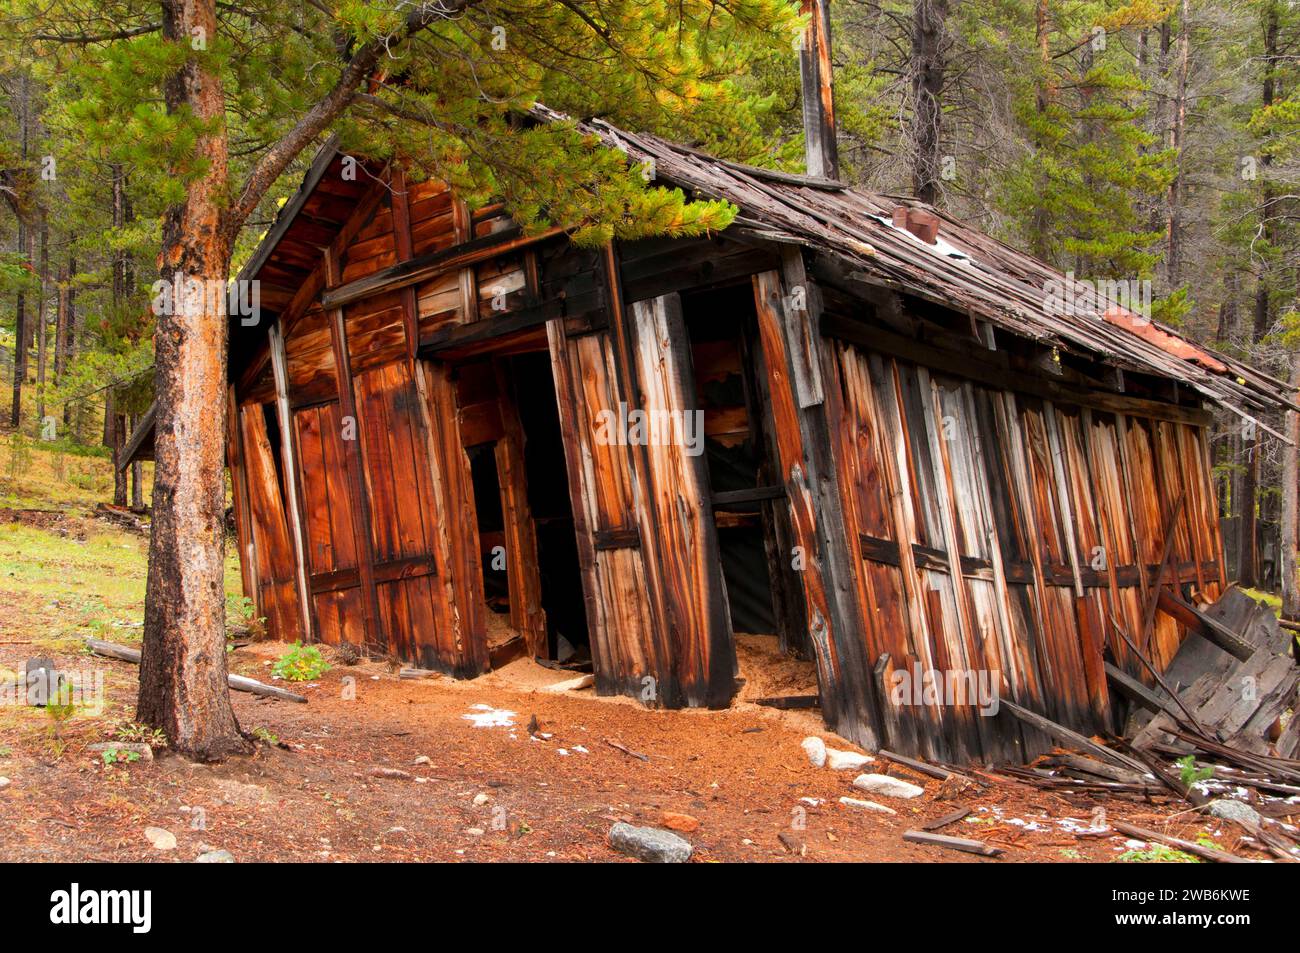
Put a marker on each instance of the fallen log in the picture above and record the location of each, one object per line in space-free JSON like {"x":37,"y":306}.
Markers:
{"x":1187,"y":847}
{"x":238,"y":682}
{"x":954,"y":843}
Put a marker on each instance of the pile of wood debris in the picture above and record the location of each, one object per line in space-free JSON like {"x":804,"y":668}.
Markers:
{"x":1209,"y":732}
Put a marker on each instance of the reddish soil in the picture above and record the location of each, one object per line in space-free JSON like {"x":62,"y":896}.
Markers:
{"x":741,"y":773}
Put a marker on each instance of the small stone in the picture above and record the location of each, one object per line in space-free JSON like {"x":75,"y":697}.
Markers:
{"x":4,"y":783}
{"x":649,"y":844}
{"x":573,"y":684}
{"x":474,"y":831}
{"x":679,"y":822}
{"x":133,"y":747}
{"x":887,"y":786}
{"x":160,"y":839}
{"x":215,"y":857}
{"x":871,"y":806}
{"x":815,"y":749}
{"x":423,"y":759}
{"x":394,"y":774}
{"x":1231,"y":810}
{"x":481,"y":799}
{"x":846,"y":760}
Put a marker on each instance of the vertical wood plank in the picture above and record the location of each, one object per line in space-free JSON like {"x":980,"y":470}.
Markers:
{"x":289,"y":454}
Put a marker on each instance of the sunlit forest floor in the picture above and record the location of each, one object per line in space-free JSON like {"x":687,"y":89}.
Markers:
{"x":375,"y":767}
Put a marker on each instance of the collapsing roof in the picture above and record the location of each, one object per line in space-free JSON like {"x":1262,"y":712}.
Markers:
{"x":967,"y":270}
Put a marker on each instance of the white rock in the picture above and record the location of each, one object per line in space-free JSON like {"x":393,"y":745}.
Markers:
{"x":160,"y":838}
{"x":871,"y":806}
{"x":573,"y":684}
{"x":4,"y":783}
{"x":422,"y":759}
{"x":846,"y":760}
{"x":474,"y":831}
{"x":815,"y":749}
{"x":481,"y":799}
{"x":887,"y":786}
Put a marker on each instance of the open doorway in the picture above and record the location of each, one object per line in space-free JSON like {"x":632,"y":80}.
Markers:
{"x":749,"y":506}
{"x":568,"y":641}
{"x":532,"y":583}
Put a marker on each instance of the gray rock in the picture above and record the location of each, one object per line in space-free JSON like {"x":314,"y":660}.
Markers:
{"x":215,"y":857}
{"x":650,"y":844}
{"x":42,"y":680}
{"x":160,"y":838}
{"x":815,"y":749}
{"x":885,"y":785}
{"x":1231,"y":810}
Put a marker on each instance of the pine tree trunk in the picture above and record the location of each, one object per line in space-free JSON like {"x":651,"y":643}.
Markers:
{"x":114,"y":437}
{"x":42,"y":329}
{"x":74,"y":338}
{"x":20,"y":336}
{"x":1290,"y":492}
{"x":928,"y":18}
{"x":1173,"y":257}
{"x":137,"y":475}
{"x":183,"y":666}
{"x":25,"y":250}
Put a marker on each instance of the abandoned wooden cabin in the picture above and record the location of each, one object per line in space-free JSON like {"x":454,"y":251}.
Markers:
{"x":895,"y":445}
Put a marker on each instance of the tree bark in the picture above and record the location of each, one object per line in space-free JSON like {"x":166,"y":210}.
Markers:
{"x":42,"y":329}
{"x":1177,"y":126}
{"x":183,"y":663}
{"x":1290,"y":493}
{"x":928,"y":19}
{"x":1248,"y":550}
{"x":116,"y":439}
{"x":20,"y":333}
{"x":137,"y":475}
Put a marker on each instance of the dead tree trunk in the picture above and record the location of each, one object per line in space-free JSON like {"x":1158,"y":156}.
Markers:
{"x":928,"y":18}
{"x":183,"y":664}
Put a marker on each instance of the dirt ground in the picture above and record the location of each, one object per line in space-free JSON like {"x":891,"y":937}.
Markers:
{"x":482,"y":788}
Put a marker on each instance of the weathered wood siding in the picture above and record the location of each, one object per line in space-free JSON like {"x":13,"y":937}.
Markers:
{"x":1000,"y":533}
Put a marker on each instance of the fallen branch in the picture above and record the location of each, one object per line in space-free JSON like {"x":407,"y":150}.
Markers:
{"x":238,"y":682}
{"x":619,"y":746}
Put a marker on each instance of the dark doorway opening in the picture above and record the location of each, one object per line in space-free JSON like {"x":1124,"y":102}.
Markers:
{"x":510,"y":427}
{"x":745,"y":484}
{"x":552,"y":511}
